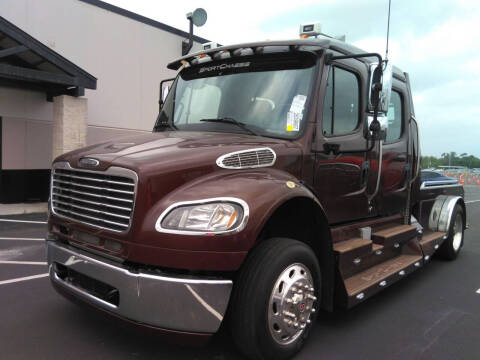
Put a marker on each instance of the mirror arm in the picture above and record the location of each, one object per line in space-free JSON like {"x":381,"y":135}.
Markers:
{"x":329,"y":57}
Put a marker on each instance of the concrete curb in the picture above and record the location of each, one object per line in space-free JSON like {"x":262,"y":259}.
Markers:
{"x":23,"y":208}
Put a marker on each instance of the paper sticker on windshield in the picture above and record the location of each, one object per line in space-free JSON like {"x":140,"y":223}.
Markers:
{"x":295,"y":115}
{"x":298,"y":103}
{"x":293,"y":121}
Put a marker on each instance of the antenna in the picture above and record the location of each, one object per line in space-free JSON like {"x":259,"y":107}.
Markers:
{"x":388,"y":29}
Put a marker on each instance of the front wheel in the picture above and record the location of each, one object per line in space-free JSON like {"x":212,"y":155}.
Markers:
{"x":275,"y":299}
{"x":454,"y":242}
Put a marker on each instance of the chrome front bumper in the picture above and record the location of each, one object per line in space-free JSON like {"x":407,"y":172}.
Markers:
{"x":174,"y":303}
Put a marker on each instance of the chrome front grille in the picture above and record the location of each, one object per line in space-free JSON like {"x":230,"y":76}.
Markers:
{"x":102,"y":199}
{"x":246,"y":159}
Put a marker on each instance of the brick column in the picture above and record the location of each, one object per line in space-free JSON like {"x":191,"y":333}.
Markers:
{"x":70,"y":116}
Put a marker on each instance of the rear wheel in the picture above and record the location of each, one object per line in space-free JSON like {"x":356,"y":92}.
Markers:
{"x":454,"y":242}
{"x":275,"y":299}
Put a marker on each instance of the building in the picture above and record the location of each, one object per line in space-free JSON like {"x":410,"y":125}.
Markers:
{"x":73,"y":73}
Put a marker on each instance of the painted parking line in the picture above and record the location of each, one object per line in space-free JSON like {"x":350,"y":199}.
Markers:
{"x":23,"y":279}
{"x":23,"y":262}
{"x":478,"y":291}
{"x":204,"y":303}
{"x":22,"y":239}
{"x":472,"y":201}
{"x":23,"y":221}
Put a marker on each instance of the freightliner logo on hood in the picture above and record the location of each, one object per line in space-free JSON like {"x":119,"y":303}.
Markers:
{"x":224,"y":66}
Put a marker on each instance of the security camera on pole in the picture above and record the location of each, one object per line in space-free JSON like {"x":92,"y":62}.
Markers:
{"x":197,"y":18}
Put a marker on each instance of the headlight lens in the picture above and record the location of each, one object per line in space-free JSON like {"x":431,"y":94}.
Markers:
{"x":210,"y":217}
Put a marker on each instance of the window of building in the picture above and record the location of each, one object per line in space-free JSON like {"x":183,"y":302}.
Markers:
{"x":341,"y":107}
{"x":394,"y":116}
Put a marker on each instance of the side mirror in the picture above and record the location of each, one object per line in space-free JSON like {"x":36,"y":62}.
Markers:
{"x":165,"y":91}
{"x":380,"y":87}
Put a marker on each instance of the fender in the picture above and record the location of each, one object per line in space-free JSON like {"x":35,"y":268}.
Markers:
{"x":442,"y":210}
{"x":264,"y":190}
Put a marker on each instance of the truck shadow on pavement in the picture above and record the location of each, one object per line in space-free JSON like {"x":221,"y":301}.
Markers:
{"x":332,"y":331}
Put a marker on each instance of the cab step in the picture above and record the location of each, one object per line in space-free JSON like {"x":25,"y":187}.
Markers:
{"x":378,"y":277}
{"x":358,"y":254}
{"x":394,"y":235}
{"x":353,"y":247}
{"x":430,"y":242}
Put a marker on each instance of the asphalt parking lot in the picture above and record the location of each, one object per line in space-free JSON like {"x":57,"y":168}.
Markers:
{"x":434,"y":314}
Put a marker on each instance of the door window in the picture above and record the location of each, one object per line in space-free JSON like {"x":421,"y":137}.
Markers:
{"x":341,"y":106}
{"x":394,"y":116}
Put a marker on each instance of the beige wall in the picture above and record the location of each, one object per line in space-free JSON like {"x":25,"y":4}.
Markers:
{"x":26,"y":144}
{"x":129,"y":59}
{"x":26,"y":129}
{"x":98,"y":134}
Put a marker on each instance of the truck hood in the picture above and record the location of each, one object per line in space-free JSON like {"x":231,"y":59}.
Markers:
{"x":159,"y":149}
{"x":174,"y":166}
{"x":169,"y":159}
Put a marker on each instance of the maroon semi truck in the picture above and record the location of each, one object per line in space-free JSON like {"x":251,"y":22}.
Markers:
{"x":281,"y":178}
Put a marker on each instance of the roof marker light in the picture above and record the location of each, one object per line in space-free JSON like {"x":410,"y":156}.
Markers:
{"x":311,"y":29}
{"x":209,"y":45}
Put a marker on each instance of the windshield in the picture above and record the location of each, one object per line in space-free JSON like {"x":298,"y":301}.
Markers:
{"x":242,"y":96}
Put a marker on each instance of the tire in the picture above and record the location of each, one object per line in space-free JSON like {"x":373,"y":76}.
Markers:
{"x":452,"y":245}
{"x":257,"y":319}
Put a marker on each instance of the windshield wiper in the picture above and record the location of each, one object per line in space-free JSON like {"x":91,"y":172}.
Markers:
{"x":229,"y":120}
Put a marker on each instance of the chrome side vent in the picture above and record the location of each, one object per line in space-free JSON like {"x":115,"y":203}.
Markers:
{"x":247,"y":159}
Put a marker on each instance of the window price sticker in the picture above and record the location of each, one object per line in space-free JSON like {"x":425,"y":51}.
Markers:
{"x":295,"y":115}
{"x":293,"y":121}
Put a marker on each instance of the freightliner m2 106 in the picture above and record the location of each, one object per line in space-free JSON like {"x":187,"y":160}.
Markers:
{"x":281,"y":179}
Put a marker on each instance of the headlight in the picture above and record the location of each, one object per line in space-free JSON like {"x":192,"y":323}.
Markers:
{"x":206,"y":217}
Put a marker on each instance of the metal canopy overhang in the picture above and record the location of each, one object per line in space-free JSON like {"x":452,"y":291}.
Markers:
{"x":26,"y":63}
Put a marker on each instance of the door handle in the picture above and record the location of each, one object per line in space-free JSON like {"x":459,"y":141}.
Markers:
{"x":364,"y":173}
{"x":406,"y":173}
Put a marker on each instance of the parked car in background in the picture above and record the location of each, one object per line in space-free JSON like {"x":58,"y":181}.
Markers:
{"x":431,"y":178}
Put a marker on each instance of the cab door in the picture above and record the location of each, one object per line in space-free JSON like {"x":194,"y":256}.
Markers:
{"x":341,"y":179}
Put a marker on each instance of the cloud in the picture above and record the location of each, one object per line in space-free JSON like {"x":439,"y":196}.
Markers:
{"x":228,"y":22}
{"x":435,"y":41}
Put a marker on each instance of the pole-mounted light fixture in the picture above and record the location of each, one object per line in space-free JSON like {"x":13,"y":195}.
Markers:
{"x":197,"y":18}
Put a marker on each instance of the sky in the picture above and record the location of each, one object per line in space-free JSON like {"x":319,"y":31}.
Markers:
{"x":436,"y":41}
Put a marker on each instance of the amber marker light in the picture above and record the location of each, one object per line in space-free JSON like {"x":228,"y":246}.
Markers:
{"x":233,"y":219}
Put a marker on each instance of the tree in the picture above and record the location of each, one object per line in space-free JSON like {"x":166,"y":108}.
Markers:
{"x":451,"y":159}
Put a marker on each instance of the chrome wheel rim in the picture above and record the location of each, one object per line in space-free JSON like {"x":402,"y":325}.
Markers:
{"x":457,"y":232}
{"x":291,"y":304}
